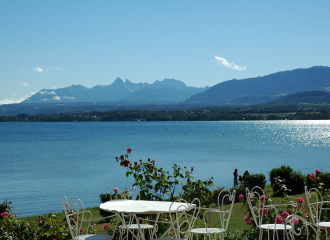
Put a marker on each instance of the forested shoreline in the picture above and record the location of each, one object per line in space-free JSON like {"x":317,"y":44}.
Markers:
{"x":212,"y":114}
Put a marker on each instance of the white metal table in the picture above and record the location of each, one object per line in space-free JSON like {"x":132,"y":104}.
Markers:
{"x":135,"y":207}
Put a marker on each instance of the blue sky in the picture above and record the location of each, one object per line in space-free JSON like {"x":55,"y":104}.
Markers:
{"x":54,"y":44}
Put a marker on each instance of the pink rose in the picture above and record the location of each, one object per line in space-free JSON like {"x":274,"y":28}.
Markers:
{"x":81,"y":229}
{"x":240,"y":197}
{"x":265,"y":212}
{"x":263,"y":198}
{"x":4,"y":215}
{"x":295,"y":206}
{"x":301,"y":200}
{"x":249,"y":222}
{"x":115,"y":190}
{"x":129,"y":150}
{"x":312,"y":176}
{"x":303,"y":208}
{"x":317,"y":171}
{"x":279,"y":220}
{"x":105,"y":226}
{"x":285,"y":214}
{"x":246,"y":218}
{"x":307,"y":215}
{"x":295,"y":220}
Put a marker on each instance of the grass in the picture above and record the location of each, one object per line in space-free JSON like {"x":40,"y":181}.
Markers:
{"x":236,"y":221}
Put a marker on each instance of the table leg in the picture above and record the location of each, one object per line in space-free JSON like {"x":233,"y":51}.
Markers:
{"x":140,"y":229}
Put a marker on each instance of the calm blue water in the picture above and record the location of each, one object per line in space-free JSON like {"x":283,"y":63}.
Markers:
{"x":41,"y":162}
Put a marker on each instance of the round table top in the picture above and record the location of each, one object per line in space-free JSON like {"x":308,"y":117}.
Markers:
{"x":144,"y":207}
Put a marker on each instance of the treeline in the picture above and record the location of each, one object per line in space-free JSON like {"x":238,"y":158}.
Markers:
{"x":223,"y":114}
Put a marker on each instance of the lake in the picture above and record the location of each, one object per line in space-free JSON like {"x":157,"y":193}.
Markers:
{"x":41,"y":162}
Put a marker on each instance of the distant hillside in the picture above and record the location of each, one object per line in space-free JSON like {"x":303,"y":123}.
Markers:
{"x":263,"y":89}
{"x":167,"y":91}
{"x":304,"y":97}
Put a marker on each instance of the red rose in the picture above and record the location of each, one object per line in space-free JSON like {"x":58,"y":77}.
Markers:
{"x":126,"y":162}
{"x":135,"y":163}
{"x":129,"y":150}
{"x":115,"y":190}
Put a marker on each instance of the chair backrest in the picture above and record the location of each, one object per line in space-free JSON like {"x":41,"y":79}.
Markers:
{"x":183,"y":216}
{"x":256,"y":203}
{"x":225,"y":197}
{"x":132,"y":193}
{"x":300,"y":228}
{"x":316,"y":204}
{"x":75,"y":215}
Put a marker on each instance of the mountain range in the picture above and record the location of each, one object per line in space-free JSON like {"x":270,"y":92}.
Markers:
{"x":299,"y":86}
{"x":166,"y":91}
{"x":264,"y":89}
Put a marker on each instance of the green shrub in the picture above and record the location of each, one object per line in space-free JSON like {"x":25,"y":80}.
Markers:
{"x":325,"y":179}
{"x":253,"y":180}
{"x":297,"y":182}
{"x":294,"y":180}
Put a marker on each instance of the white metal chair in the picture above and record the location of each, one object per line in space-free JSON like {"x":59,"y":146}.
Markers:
{"x":182,"y":217}
{"x":300,"y":228}
{"x":258,"y":209}
{"x":224,"y":211}
{"x":130,"y":226}
{"x":317,"y":205}
{"x":75,"y":215}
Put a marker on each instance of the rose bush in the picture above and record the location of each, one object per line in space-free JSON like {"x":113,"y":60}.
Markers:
{"x":157,"y":184}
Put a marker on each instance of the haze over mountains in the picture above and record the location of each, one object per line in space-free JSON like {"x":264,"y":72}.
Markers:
{"x":166,"y":91}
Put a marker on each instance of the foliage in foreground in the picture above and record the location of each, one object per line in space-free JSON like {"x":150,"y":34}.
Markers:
{"x":44,"y":229}
{"x":157,"y":184}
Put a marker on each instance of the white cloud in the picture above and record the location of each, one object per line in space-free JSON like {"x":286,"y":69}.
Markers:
{"x":11,"y":101}
{"x":65,"y":97}
{"x":221,"y":60}
{"x":24,"y":84}
{"x":55,"y":68}
{"x":37,"y":69}
{"x":45,"y":92}
{"x":56,"y":98}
